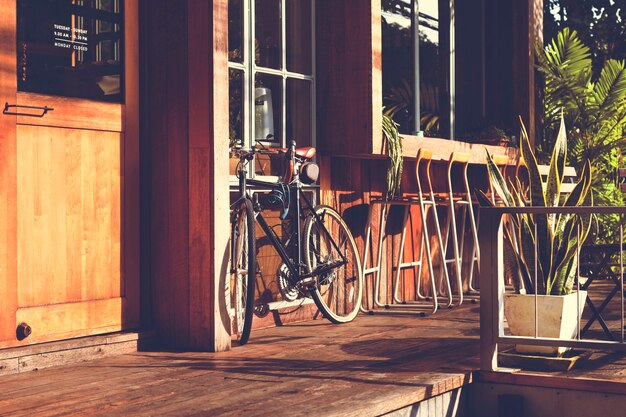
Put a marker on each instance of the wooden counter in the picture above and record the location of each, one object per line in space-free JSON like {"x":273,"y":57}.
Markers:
{"x":442,"y":148}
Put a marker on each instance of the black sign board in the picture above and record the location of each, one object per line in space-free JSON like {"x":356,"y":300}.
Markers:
{"x":71,"y":48}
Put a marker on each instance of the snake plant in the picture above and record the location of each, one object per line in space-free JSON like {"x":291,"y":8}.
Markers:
{"x":557,"y":235}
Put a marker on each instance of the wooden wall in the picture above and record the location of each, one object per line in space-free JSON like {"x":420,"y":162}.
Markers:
{"x":349,"y":78}
{"x":184,"y":167}
{"x":185,"y":171}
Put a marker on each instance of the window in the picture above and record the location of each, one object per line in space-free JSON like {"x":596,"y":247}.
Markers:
{"x":271,"y":74}
{"x":417,"y":34}
{"x":71,"y":48}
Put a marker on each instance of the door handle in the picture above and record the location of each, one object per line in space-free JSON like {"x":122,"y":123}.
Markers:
{"x":44,"y":110}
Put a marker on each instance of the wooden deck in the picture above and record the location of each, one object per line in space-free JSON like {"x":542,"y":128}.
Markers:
{"x":372,"y":366}
{"x":369,"y":367}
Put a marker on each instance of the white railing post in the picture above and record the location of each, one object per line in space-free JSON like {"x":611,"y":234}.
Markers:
{"x":491,"y":289}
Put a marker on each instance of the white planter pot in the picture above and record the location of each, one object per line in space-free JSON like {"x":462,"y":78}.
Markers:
{"x":557,"y":318}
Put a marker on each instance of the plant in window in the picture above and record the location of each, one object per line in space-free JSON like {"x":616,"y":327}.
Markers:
{"x":400,"y":101}
{"x":393,"y":142}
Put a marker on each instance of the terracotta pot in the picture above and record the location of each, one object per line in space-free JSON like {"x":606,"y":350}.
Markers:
{"x":557,"y":318}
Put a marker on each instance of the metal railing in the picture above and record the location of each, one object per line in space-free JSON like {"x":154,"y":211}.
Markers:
{"x":492,"y":285}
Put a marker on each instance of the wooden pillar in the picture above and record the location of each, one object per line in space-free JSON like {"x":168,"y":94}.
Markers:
{"x":512,"y":29}
{"x":527,"y":26}
{"x":185,"y":143}
{"x":8,"y":174}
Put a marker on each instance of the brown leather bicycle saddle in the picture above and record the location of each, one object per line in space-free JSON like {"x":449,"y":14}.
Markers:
{"x":308,"y":152}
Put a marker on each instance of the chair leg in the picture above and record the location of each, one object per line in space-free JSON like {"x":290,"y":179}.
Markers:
{"x":367,"y":271}
{"x":426,"y":243}
{"x":385,"y":308}
{"x":444,"y":277}
{"x":475,"y":260}
{"x":396,"y":301}
{"x":455,"y":248}
{"x":475,"y":257}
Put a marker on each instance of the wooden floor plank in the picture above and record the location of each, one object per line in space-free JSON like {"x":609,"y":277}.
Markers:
{"x":372,"y":366}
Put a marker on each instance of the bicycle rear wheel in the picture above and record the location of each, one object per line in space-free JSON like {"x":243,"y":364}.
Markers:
{"x":328,"y":242}
{"x":242,"y":270}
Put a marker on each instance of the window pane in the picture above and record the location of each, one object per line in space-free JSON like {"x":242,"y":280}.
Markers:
{"x":398,"y":66}
{"x":268,"y":108}
{"x":299,"y":112}
{"x":299,"y":46}
{"x":71,"y":49}
{"x":235,"y":106}
{"x":235,"y":31}
{"x":397,"y":42}
{"x":267,"y":122}
{"x":430,"y":77}
{"x":235,"y":110}
{"x":267,"y":33}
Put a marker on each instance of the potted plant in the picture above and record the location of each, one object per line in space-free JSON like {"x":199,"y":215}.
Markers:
{"x":558,"y":238}
{"x":493,"y":135}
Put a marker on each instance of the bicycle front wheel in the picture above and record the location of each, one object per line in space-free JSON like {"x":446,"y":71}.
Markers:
{"x":330,"y":249}
{"x":242,"y":270}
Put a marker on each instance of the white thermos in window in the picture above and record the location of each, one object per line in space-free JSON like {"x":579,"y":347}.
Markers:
{"x":264,"y":114}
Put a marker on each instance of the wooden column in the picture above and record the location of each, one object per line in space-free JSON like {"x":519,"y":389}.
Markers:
{"x":186,"y":172}
{"x":8,"y":170}
{"x":527,"y":26}
{"x":512,"y":29}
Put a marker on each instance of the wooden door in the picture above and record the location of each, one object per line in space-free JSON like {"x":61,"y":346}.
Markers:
{"x":69,"y":228}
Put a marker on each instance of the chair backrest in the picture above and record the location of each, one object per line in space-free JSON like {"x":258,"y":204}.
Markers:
{"x":456,"y":159}
{"x":422,"y":170}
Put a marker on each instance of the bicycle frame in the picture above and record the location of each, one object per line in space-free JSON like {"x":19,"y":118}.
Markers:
{"x":295,"y":266}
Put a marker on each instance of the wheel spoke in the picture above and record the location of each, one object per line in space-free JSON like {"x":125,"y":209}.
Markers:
{"x":340,"y":286}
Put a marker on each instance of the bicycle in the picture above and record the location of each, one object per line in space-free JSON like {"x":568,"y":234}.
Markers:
{"x":319,"y":256}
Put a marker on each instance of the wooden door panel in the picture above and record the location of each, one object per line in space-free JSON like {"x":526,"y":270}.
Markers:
{"x":71,"y":112}
{"x":69,"y":186}
{"x":69,"y":216}
{"x":63,"y":321}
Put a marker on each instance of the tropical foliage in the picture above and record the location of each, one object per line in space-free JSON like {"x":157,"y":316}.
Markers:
{"x":594,"y":109}
{"x":399,"y":100}
{"x":600,"y":25}
{"x":393,"y":142}
{"x":557,"y":236}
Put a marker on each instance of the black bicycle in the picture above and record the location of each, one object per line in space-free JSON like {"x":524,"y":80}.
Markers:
{"x":319,"y":255}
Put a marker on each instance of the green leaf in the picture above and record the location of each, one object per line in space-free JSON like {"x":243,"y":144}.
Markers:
{"x":498,"y":182}
{"x":537,"y":199}
{"x":563,"y":258}
{"x":557,"y":167}
{"x":483,"y":199}
{"x":581,"y":189}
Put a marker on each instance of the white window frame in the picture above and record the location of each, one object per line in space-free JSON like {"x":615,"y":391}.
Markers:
{"x":250,"y":70}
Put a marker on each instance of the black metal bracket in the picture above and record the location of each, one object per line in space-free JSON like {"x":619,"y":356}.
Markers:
{"x":44,"y":110}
